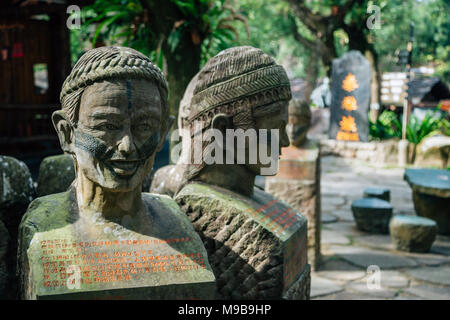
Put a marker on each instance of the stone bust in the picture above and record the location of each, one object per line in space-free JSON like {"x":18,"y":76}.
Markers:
{"x":113,"y":120}
{"x":299,"y":122}
{"x":256,"y":244}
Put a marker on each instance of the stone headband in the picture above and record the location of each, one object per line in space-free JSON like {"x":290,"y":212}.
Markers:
{"x":256,"y":88}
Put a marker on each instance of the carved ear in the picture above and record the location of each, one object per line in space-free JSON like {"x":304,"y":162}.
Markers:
{"x":64,"y":130}
{"x":169,"y":125}
{"x":221,"y":122}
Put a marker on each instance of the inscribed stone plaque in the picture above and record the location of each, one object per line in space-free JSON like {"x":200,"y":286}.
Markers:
{"x":350,"y":89}
{"x":64,"y":261}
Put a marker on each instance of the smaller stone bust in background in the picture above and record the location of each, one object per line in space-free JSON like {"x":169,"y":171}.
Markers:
{"x":299,"y":122}
{"x":104,"y":238}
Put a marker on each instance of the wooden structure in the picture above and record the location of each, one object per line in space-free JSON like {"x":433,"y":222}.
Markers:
{"x":34,"y":61}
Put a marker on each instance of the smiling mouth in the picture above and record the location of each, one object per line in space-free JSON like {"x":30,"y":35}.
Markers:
{"x":124,"y":167}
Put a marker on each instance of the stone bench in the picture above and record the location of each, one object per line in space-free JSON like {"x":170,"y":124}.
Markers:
{"x":372,"y":215}
{"x":412,"y":233}
{"x":376,"y":192}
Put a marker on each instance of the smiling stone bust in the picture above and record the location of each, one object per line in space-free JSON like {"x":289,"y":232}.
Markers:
{"x":103,"y":238}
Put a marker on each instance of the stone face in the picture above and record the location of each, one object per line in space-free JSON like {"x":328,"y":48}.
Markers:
{"x":380,"y":193}
{"x":431,"y":195}
{"x":257,"y":246}
{"x":56,"y":174}
{"x":372,"y":214}
{"x":298,"y":183}
{"x":412,"y":234}
{"x":169,"y":262}
{"x":350,"y":91}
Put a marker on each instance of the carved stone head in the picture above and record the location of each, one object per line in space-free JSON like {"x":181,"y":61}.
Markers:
{"x":240,"y":88}
{"x":114,"y":116}
{"x":299,"y":121}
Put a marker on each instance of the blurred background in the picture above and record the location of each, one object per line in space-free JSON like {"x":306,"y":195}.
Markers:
{"x":40,"y":40}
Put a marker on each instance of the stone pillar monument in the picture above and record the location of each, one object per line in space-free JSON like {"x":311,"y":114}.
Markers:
{"x":350,"y":98}
{"x":104,"y":238}
{"x":256,"y":244}
{"x":298,"y":178}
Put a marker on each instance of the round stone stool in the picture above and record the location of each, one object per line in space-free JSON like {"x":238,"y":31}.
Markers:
{"x":372,"y":215}
{"x":412,"y":233}
{"x":375,"y":192}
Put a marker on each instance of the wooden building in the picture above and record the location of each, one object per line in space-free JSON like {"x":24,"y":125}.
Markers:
{"x":34,"y":61}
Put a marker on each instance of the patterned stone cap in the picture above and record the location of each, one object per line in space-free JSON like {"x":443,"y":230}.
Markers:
{"x":236,"y":79}
{"x":108,"y":63}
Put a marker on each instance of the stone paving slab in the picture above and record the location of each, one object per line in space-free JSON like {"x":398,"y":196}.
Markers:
{"x":431,"y":274}
{"x":362,"y":287}
{"x":321,"y":286}
{"x":328,"y":218}
{"x":430,"y":292}
{"x":365,"y":257}
{"x":346,"y":228}
{"x":377,"y":241}
{"x":333,"y":237}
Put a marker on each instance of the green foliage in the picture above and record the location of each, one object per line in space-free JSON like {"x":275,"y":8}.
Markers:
{"x":387,"y":126}
{"x":417,"y":130}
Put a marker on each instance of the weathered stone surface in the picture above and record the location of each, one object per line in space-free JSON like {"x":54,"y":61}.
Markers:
{"x":430,"y":292}
{"x":4,"y":272}
{"x":344,"y":214}
{"x":298,"y":183}
{"x":364,"y":257}
{"x":56,"y":174}
{"x":301,"y":289}
{"x":168,"y":262}
{"x":375,"y":192}
{"x":322,"y":287}
{"x":433,"y":152}
{"x":350,"y":87}
{"x":257,"y":246}
{"x":431,"y":195}
{"x":412,"y":234}
{"x":167,"y":179}
{"x":346,"y":228}
{"x":431,"y":274}
{"x":372,"y":215}
{"x":393,"y":279}
{"x":16,"y":193}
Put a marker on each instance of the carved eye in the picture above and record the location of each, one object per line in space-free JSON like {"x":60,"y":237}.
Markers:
{"x":110,"y":127}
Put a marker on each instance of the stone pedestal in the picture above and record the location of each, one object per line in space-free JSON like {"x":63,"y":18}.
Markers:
{"x":298,"y":183}
{"x":372,"y":215}
{"x":56,"y":174}
{"x":412,"y":234}
{"x":257,"y":246}
{"x":431,"y":195}
{"x":60,"y":258}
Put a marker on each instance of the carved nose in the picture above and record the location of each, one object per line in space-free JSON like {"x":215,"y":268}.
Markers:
{"x":126,"y":145}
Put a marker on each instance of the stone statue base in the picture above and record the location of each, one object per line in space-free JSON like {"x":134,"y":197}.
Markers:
{"x":63,"y":258}
{"x":298,"y":183}
{"x":256,"y":246}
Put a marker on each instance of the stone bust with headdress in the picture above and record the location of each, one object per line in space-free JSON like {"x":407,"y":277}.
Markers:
{"x":248,"y":234}
{"x":113,"y":120}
